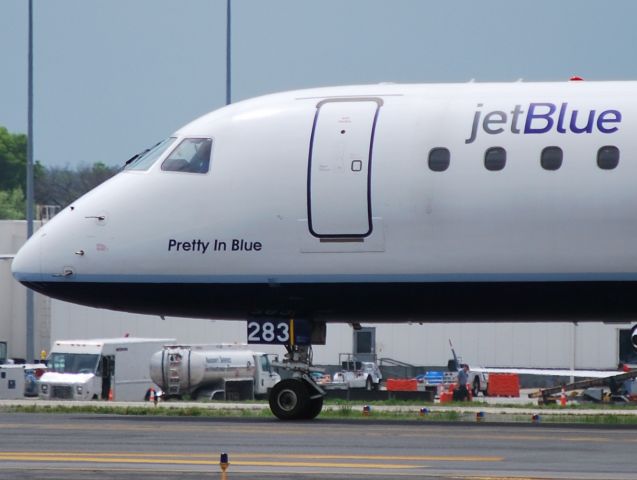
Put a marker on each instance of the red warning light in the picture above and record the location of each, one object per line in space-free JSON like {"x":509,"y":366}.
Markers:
{"x":576,"y":78}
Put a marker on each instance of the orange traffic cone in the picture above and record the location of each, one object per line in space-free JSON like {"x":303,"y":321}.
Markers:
{"x":563,"y":397}
{"x":110,"y":394}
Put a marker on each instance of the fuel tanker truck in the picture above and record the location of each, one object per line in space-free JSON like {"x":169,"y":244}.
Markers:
{"x":212,"y":372}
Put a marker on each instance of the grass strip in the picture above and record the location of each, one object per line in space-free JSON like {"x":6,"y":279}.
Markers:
{"x":344,"y":410}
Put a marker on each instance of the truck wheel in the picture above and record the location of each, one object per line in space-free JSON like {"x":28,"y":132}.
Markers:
{"x":476,"y":387}
{"x":290,"y":400}
{"x":369,"y":385}
{"x":314,"y":408}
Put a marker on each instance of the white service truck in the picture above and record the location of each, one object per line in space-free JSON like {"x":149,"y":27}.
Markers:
{"x":356,"y":373}
{"x":209,"y":372}
{"x":109,"y":368}
{"x":18,"y":379}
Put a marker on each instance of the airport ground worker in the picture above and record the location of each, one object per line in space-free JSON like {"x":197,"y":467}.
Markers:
{"x":461,"y":393}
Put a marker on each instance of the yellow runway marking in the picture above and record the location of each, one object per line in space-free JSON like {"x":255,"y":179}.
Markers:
{"x":296,"y":456}
{"x":156,"y":461}
{"x":176,"y":461}
{"x":246,"y":459}
{"x":430,"y":458}
{"x":252,"y":472}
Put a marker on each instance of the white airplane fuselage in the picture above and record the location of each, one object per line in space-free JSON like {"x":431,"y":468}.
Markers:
{"x":335,"y":203}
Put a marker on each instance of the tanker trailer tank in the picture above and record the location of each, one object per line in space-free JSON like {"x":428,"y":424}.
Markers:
{"x":212,"y":372}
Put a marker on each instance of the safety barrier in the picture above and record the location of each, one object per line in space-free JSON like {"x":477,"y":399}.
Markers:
{"x":446,"y":397}
{"x":402,"y":385}
{"x":503,"y":385}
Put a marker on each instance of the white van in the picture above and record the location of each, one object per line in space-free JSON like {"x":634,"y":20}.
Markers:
{"x":110,"y":368}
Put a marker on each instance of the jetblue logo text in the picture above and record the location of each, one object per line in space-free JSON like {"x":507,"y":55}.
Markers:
{"x":543,"y":118}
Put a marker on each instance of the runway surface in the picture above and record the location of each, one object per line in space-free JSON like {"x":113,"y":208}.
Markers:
{"x":55,"y":446}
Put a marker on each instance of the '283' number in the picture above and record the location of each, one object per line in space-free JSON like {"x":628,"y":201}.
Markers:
{"x":267,"y":331}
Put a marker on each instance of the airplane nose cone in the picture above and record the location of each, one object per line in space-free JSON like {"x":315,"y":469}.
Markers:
{"x":26,"y":266}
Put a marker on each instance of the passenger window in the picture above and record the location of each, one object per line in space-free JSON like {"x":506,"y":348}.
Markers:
{"x":551,"y":158}
{"x":608,"y":157}
{"x":439,"y":159}
{"x":495,"y":159}
{"x":192,"y":155}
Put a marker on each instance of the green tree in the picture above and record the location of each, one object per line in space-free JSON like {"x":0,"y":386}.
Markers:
{"x":13,"y":160}
{"x":12,"y":206}
{"x":60,"y":185}
{"x":53,"y":185}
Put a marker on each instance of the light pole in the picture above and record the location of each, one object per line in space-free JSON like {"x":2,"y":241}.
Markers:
{"x":30,"y":322}
{"x":228,"y":57}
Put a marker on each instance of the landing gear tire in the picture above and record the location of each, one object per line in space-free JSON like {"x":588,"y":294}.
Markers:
{"x":290,"y":400}
{"x":369,"y":385}
{"x":475,"y":390}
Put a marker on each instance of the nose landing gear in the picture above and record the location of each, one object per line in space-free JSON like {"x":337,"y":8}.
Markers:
{"x":299,"y":397}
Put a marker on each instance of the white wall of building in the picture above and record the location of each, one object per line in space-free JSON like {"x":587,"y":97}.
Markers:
{"x":69,"y":321}
{"x":13,"y":297}
{"x":504,"y":344}
{"x":559,"y":345}
{"x":556,"y":345}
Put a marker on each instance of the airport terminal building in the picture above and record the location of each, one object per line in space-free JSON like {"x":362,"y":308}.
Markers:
{"x":541,"y":345}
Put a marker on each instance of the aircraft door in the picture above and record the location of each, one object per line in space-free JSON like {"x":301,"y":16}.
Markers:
{"x":339,"y":168}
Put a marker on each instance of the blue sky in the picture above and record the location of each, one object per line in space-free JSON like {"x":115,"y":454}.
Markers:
{"x":115,"y":76}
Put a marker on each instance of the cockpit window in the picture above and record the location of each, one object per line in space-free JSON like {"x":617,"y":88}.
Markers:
{"x":144,"y":160}
{"x":192,"y":155}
